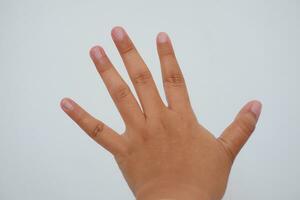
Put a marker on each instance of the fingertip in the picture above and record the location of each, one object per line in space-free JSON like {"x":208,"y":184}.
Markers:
{"x":67,"y":104}
{"x":117,"y":33}
{"x":162,"y":37}
{"x":257,"y":102}
{"x":93,"y":49}
{"x":114,"y":28}
{"x":96,"y":52}
{"x":164,"y":45}
{"x":247,"y":107}
{"x":256,"y":107}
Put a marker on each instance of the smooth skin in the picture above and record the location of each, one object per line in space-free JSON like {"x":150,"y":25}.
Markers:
{"x":164,"y":152}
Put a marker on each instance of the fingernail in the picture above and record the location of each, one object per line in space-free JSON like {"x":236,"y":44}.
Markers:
{"x":162,"y":37}
{"x":97,"y":52}
{"x":256,"y":108}
{"x":67,"y":105}
{"x":118,"y":33}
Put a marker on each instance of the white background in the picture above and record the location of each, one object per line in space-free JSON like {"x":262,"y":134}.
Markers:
{"x":230,"y":52}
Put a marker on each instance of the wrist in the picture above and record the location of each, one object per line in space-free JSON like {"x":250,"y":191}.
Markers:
{"x":170,"y":191}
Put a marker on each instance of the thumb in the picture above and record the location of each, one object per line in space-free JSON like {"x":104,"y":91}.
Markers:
{"x":237,"y":133}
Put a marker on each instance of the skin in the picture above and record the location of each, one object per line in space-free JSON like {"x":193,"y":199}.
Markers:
{"x":164,"y":152}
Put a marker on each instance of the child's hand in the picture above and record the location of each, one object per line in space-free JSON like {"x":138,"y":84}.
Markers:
{"x":164,"y":152}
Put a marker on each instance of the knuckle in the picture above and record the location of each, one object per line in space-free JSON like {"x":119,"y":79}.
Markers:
{"x":121,"y":93}
{"x":82,"y":120}
{"x":166,"y":51}
{"x":127,"y":48}
{"x":98,"y":129}
{"x":245,"y":125}
{"x":105,"y":67}
{"x":142,"y":78}
{"x":175,"y":80}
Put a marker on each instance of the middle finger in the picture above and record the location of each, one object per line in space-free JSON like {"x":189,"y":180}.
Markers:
{"x":138,"y":71}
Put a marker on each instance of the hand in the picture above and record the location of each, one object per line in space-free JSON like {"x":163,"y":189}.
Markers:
{"x":164,"y":153}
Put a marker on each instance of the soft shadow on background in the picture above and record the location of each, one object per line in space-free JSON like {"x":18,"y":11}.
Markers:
{"x":230,"y":52}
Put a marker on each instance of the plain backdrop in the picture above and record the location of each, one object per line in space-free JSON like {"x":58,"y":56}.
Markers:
{"x":230,"y":53}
